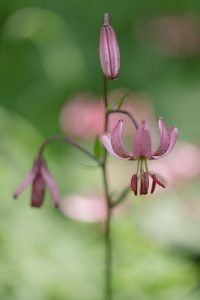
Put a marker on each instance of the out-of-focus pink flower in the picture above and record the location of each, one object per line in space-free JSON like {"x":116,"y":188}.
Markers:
{"x":186,"y":167}
{"x":85,"y":109}
{"x":172,"y":34}
{"x":142,"y":151}
{"x":88,"y":110}
{"x":39,"y":177}
{"x":109,"y":50}
{"x":89,"y":209}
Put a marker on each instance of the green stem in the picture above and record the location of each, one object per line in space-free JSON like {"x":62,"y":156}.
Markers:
{"x":125,"y":112}
{"x":121,"y":197}
{"x":66,"y":140}
{"x":108,"y":242}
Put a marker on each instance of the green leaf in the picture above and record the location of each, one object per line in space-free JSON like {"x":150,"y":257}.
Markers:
{"x":116,"y":103}
{"x":121,"y":101}
{"x":109,"y":107}
{"x":89,"y":166}
{"x":121,"y":197}
{"x":98,"y":148}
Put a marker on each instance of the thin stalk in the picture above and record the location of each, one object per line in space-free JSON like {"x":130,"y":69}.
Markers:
{"x":121,"y":197}
{"x":66,"y":140}
{"x":108,"y":242}
{"x":125,"y":112}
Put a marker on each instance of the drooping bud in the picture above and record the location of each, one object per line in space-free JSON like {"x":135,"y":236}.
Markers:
{"x":109,"y":50}
{"x":38,"y":191}
{"x":39,"y":177}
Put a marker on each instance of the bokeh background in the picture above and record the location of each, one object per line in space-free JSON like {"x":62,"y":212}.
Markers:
{"x":51,"y":82}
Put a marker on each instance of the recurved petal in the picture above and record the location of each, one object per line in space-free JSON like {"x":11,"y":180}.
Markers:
{"x":142,"y":145}
{"x":51,"y":185}
{"x":164,"y":138}
{"x":173,"y":139}
{"x":173,"y":135}
{"x":106,"y":141}
{"x":27,"y":180}
{"x":116,"y":141}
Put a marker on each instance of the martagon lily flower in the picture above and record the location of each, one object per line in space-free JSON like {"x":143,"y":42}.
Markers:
{"x":142,"y":152}
{"x":39,"y":177}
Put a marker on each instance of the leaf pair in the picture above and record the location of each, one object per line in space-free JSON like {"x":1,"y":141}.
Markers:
{"x":116,"y":104}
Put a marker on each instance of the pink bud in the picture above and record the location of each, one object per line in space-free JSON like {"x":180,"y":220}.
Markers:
{"x":39,"y":177}
{"x":38,"y":191}
{"x":109,"y":50}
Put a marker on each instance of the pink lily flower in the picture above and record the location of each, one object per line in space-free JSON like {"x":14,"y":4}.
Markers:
{"x":39,"y":177}
{"x":142,"y":152}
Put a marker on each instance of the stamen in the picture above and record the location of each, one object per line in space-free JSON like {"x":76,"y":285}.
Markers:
{"x":153,"y":186}
{"x":134,"y":184}
{"x":141,"y":166}
{"x":144,"y":177}
{"x":146,"y":182}
{"x":156,"y":181}
{"x":146,"y":166}
{"x":138,"y":166}
{"x":142,"y":191}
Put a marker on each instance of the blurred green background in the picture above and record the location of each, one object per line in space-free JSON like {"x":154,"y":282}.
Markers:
{"x":48,"y":53}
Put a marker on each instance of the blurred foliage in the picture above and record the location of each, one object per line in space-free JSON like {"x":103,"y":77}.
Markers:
{"x":49,"y":51}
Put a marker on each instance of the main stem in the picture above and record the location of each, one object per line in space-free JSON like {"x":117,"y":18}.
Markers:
{"x":108,"y":243}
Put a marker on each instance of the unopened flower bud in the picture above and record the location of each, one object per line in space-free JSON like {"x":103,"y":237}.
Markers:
{"x":39,"y":177}
{"x":109,"y":50}
{"x":38,"y":191}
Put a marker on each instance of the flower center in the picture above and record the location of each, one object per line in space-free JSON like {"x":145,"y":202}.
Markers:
{"x":142,"y":166}
{"x":142,"y":178}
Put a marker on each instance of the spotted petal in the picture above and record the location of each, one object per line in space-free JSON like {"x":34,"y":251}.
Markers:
{"x":106,"y":141}
{"x":116,"y":141}
{"x":142,"y":145}
{"x":168,"y":138}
